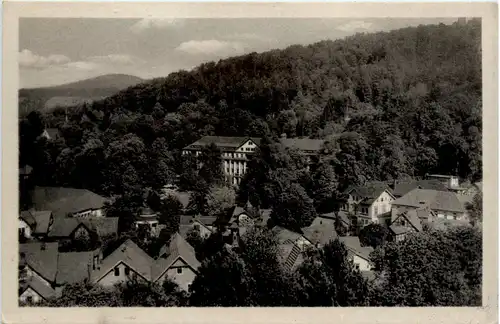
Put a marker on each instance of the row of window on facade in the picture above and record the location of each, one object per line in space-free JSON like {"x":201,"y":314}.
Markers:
{"x":236,"y":155}
{"x":364,"y":210}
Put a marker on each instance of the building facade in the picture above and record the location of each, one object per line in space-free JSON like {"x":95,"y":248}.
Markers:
{"x":236,"y":152}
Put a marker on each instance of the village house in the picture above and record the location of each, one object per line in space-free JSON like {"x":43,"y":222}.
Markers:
{"x":51,"y":134}
{"x":321,"y":231}
{"x":44,"y":271}
{"x":452,"y":183}
{"x":236,"y":152}
{"x":369,"y":203}
{"x":444,"y":204}
{"x":291,"y":246}
{"x":64,"y":202}
{"x":204,"y":225}
{"x":148,"y":219}
{"x":70,"y":228}
{"x":35,"y":224}
{"x":306,"y":147}
{"x":360,"y":255}
{"x":406,"y":223}
{"x":176,"y":261}
{"x":401,"y":188}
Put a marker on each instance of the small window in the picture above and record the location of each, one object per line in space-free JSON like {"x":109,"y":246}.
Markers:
{"x":356,"y":266}
{"x":153,"y":225}
{"x":179,"y":270}
{"x":29,"y":299}
{"x":127,"y":271}
{"x":117,"y":272}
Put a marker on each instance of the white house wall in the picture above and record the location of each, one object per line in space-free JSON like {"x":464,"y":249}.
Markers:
{"x":35,"y":297}
{"x":27,"y":229}
{"x":183,"y":279}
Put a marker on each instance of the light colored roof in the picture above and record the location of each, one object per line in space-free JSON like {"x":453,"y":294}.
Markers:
{"x":178,"y":247}
{"x":303,"y":144}
{"x":74,"y":267}
{"x":434,"y":199}
{"x":353,"y":244}
{"x":63,"y":201}
{"x":224,"y":142}
{"x":131,"y":255}
{"x":321,"y":231}
{"x":286,"y":236}
{"x":42,"y":261}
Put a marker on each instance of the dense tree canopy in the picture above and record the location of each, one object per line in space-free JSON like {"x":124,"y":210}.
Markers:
{"x":408,"y":100}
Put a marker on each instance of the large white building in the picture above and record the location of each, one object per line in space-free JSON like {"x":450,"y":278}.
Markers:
{"x":236,"y":152}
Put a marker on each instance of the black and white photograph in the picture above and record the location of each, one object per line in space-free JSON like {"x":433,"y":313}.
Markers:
{"x":250,"y":162}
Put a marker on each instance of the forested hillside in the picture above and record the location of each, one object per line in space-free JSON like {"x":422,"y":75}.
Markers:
{"x":390,"y":104}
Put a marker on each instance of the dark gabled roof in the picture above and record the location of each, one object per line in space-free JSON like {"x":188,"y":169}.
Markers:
{"x":177,"y":247}
{"x":433,"y":199}
{"x":224,"y":142}
{"x":42,"y":219}
{"x":131,"y":255}
{"x":402,"y":188}
{"x":353,"y":244}
{"x":42,"y":261}
{"x":64,"y":201}
{"x":35,"y":283}
{"x":369,"y":191}
{"x":303,"y":144}
{"x":103,"y":226}
{"x":74,"y":267}
{"x":412,"y":216}
{"x":63,"y":227}
{"x":28,"y":218}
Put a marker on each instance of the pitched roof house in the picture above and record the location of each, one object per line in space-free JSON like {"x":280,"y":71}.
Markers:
{"x":321,"y":231}
{"x":360,"y":254}
{"x":444,"y":204}
{"x":305,"y":146}
{"x":370,"y":203}
{"x":204,"y":224}
{"x":401,"y":188}
{"x":68,"y":201}
{"x":225,"y":143}
{"x":64,"y":228}
{"x":176,"y":261}
{"x":405,"y":223}
{"x":35,"y":223}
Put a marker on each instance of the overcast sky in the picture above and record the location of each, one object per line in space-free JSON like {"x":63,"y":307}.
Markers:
{"x":56,"y":51}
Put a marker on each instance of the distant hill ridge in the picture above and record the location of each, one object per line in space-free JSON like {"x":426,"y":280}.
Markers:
{"x":74,"y":93}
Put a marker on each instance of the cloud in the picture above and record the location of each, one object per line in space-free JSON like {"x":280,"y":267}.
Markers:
{"x":28,"y":59}
{"x":356,"y":26}
{"x":146,"y":24}
{"x":211,"y":47}
{"x":115,"y":59}
{"x":81,"y":65}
